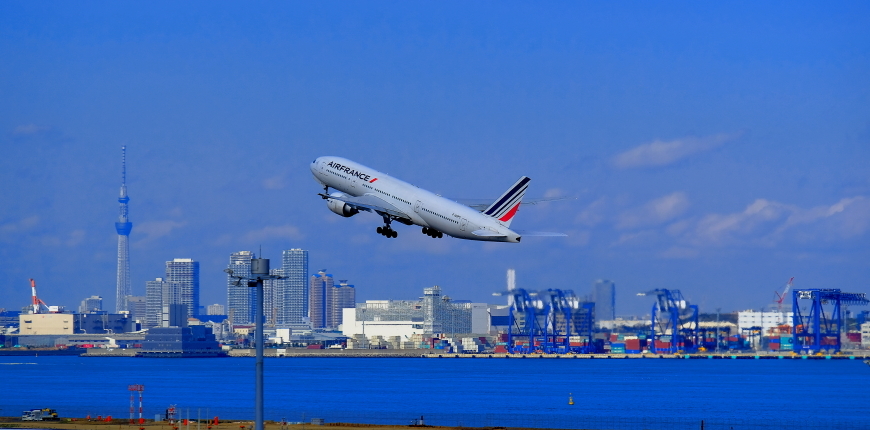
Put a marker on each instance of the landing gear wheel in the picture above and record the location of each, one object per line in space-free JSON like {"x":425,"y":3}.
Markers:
{"x":380,"y":230}
{"x":426,"y":231}
{"x":394,"y":234}
{"x":440,"y":235}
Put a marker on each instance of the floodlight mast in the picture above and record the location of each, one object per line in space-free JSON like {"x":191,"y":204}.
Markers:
{"x":259,"y":273}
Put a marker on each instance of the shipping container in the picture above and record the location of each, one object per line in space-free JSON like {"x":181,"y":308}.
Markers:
{"x":632,"y":351}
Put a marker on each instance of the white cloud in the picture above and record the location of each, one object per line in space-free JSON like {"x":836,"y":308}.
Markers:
{"x":553,"y":193}
{"x":594,"y":213}
{"x":28,"y":129}
{"x":769,"y":223}
{"x":75,"y":237}
{"x":20,"y":226}
{"x":156,"y":229}
{"x":656,"y":211}
{"x":661,"y":153}
{"x":273,"y":232}
{"x":720,"y":229}
{"x":274,"y":183}
{"x":678,"y":252}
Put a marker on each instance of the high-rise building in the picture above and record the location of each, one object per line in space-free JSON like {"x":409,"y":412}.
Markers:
{"x":123,"y":227}
{"x":185,"y":272}
{"x":240,"y":298}
{"x":270,"y":298}
{"x":433,"y":310}
{"x":160,"y":293}
{"x":604,"y":296}
{"x":319,"y":296}
{"x":91,"y":304}
{"x":136,"y":305}
{"x":216,"y":309}
{"x":343,"y":296}
{"x":292,"y":295}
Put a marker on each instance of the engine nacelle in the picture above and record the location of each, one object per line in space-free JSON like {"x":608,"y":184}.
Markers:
{"x":341,"y":208}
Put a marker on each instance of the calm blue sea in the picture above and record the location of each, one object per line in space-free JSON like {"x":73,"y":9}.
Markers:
{"x":449,"y":391}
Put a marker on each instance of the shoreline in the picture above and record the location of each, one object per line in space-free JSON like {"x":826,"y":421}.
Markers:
{"x":409,"y":353}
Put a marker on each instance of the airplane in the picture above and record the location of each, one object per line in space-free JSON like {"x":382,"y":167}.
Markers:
{"x":360,"y":188}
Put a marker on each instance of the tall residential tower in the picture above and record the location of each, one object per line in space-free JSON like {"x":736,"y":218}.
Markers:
{"x":604,"y":296}
{"x":185,"y":272}
{"x":292,"y":297}
{"x":123,"y":227}
{"x":240,"y":298}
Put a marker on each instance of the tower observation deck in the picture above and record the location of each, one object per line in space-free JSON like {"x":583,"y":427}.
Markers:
{"x":123,"y":227}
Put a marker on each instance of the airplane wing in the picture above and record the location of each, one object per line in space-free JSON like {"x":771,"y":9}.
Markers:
{"x":481,"y":204}
{"x":369,"y":203}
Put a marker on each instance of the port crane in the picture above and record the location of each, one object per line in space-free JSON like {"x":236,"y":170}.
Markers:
{"x":818,"y":328}
{"x":545,"y":321}
{"x":36,"y":302}
{"x":781,"y":297}
{"x":672,"y":314}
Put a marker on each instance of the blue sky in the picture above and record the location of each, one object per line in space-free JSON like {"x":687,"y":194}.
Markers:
{"x":714,"y":149}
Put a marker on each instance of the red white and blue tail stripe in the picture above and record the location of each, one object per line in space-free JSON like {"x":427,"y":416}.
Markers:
{"x":507,"y":205}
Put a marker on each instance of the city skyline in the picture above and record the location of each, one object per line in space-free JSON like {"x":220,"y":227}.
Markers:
{"x":715,"y":151}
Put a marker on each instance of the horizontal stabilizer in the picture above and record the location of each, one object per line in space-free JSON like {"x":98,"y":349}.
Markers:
{"x":540,"y":233}
{"x":486,"y":233}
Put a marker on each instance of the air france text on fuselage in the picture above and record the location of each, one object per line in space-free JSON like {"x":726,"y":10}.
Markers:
{"x":350,"y":171}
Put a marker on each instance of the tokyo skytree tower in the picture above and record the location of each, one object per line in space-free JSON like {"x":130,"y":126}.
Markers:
{"x":123,"y":226}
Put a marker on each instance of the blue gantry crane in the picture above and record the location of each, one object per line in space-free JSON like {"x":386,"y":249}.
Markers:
{"x":546,"y":321}
{"x":817,"y":329}
{"x":673,"y":322}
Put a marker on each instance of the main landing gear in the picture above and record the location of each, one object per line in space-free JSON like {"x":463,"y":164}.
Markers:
{"x":431,"y":232}
{"x":387,"y":231}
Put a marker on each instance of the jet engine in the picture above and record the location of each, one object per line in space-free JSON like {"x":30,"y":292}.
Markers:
{"x":341,"y":208}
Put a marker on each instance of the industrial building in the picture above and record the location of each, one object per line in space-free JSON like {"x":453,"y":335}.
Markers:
{"x":767,"y":320}
{"x":432,"y":314}
{"x":65,"y":324}
{"x":191,"y":341}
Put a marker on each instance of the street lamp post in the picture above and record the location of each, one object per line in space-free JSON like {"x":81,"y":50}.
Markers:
{"x":259,"y":272}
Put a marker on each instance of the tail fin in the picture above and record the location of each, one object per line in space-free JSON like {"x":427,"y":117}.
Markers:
{"x":507,"y":205}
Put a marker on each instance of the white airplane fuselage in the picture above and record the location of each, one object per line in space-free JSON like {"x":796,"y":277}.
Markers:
{"x":420,"y":207}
